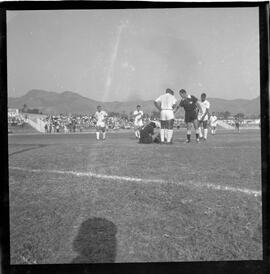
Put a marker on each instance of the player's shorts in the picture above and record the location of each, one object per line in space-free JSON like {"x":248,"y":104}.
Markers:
{"x":237,"y":125}
{"x":138,"y":124}
{"x":190,"y":116}
{"x":204,"y":123}
{"x":166,"y":114}
{"x":101,"y":126}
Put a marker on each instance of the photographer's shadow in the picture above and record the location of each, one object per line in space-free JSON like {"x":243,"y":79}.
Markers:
{"x":95,"y":242}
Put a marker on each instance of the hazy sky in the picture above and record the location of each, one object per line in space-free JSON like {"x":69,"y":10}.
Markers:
{"x":130,"y":54}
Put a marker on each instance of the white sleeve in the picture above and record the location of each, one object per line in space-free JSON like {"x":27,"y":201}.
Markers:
{"x":158,"y":99}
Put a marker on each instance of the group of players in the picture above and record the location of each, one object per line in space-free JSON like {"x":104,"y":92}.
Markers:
{"x":197,"y":114}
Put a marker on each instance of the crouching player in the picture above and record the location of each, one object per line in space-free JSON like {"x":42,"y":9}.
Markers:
{"x":166,"y":104}
{"x":191,"y":106}
{"x":148,"y":134}
{"x":100,"y":117}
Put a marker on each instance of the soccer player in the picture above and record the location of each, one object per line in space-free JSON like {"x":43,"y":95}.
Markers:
{"x":166,"y":104}
{"x":203,"y":116}
{"x":237,"y":124}
{"x":138,"y":122}
{"x":148,"y":134}
{"x":191,"y":106}
{"x":100,"y":117}
{"x":213,"y":123}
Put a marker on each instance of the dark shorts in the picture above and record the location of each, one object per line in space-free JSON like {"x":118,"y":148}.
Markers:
{"x":237,"y":125}
{"x":146,"y":140}
{"x":190,"y":116}
{"x":99,"y":128}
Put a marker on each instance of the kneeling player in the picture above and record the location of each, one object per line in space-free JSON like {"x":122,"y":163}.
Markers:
{"x":148,"y":135}
{"x":100,"y":116}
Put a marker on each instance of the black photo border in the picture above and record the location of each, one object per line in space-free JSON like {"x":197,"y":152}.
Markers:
{"x":253,"y":266}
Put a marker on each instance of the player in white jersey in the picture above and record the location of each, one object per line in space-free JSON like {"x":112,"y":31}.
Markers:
{"x":203,"y":116}
{"x":138,"y":122}
{"x":100,"y":117}
{"x":213,"y":123}
{"x":166,"y":104}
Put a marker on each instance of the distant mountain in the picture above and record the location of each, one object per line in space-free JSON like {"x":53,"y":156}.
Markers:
{"x":71,"y":102}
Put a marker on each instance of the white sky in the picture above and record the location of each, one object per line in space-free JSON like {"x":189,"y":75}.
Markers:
{"x":129,"y":54}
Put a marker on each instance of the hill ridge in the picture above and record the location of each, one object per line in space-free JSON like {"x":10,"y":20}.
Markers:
{"x":52,"y":102}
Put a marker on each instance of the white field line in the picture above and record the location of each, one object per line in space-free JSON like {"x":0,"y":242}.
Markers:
{"x":140,"y":180}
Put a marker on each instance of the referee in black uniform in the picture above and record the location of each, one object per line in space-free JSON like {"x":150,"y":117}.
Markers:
{"x":191,"y":107}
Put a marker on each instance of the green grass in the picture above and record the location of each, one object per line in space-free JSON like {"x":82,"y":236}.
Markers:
{"x":63,"y":218}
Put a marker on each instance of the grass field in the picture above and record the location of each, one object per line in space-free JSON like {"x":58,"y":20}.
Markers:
{"x":76,"y":200}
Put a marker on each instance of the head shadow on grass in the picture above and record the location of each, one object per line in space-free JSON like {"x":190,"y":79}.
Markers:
{"x":95,"y":242}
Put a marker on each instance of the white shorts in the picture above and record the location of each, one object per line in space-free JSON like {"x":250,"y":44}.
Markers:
{"x":100,"y":124}
{"x":166,"y":114}
{"x":200,"y":117}
{"x":138,"y":124}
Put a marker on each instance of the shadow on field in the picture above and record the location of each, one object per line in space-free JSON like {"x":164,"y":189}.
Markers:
{"x":95,"y":242}
{"x":27,"y":149}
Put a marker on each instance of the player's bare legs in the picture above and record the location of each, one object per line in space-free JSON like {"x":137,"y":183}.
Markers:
{"x":103,"y":133}
{"x":196,"y":127}
{"x":162,"y":131}
{"x":170,"y":131}
{"x":205,"y":130}
{"x":137,"y":132}
{"x":189,"y":126}
{"x":200,"y":131}
{"x":97,"y":133}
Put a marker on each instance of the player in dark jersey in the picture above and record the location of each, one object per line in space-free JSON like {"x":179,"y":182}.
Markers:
{"x":148,"y":135}
{"x":191,"y":106}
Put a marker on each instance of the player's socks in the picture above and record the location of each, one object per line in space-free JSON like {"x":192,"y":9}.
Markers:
{"x":205,"y":131}
{"x":200,"y":132}
{"x":162,"y":135}
{"x":170,"y":135}
{"x":188,"y":135}
{"x":97,"y":134}
{"x":166,"y":134}
{"x":104,"y":135}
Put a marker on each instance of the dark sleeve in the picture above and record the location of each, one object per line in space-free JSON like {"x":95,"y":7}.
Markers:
{"x":181,"y":103}
{"x":194,"y":99}
{"x":151,"y":130}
